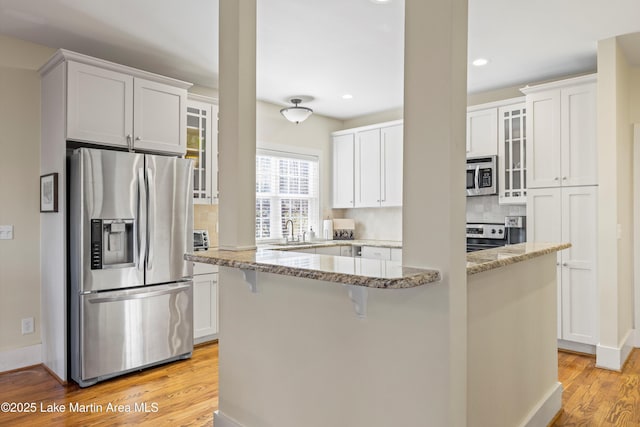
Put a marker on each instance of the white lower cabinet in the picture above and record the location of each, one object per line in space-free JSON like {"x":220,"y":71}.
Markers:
{"x":568,"y":214}
{"x":396,"y":254}
{"x":375,"y":252}
{"x":205,"y":302}
{"x":328,"y":250}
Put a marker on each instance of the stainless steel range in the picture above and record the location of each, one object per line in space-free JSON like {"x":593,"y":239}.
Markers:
{"x":493,"y":235}
{"x":485,"y":236}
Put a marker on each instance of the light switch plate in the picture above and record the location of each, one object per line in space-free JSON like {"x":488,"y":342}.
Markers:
{"x":6,"y":232}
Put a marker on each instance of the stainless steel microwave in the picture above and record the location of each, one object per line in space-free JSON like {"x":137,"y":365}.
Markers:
{"x":482,"y":176}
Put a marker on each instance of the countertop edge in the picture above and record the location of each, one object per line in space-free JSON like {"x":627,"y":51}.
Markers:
{"x":413,"y":278}
{"x":509,"y":259}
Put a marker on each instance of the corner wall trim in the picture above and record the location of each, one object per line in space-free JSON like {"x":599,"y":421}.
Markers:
{"x":614,"y":358}
{"x":20,"y":357}
{"x":547,"y":408}
{"x":221,"y":420}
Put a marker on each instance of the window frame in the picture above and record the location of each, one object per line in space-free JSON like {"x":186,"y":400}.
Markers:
{"x":291,"y":152}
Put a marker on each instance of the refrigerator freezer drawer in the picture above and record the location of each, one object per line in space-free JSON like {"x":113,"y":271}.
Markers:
{"x":130,"y":329}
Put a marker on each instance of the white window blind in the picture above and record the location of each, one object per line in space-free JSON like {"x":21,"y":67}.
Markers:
{"x":286,"y":189}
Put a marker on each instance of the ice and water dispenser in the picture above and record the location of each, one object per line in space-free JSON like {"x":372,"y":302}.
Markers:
{"x":112,"y":243}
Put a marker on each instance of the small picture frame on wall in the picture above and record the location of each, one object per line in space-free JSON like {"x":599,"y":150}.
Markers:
{"x":49,"y":193}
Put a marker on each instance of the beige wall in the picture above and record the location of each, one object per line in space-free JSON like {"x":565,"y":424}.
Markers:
{"x":625,"y":197}
{"x":19,"y":189}
{"x":615,"y":197}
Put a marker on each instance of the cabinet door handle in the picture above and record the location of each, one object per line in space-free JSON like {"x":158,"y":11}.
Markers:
{"x":129,"y":142}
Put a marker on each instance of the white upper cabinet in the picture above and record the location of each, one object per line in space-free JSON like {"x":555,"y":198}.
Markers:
{"x":391,"y":162}
{"x":114,"y":105}
{"x":378,"y":167}
{"x":159,"y":117}
{"x":512,"y":155}
{"x":561,"y":126}
{"x":343,"y":173}
{"x":482,"y":132}
{"x":202,"y":147}
{"x":367,"y":166}
{"x":367,"y":169}
{"x":99,"y":105}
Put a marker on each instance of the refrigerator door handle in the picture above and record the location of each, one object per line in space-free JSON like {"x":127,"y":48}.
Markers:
{"x":151,"y":223}
{"x":142,"y":218}
{"x":139,"y":295}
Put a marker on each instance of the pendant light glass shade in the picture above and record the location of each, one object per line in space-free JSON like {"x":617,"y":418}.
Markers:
{"x":296,"y":114}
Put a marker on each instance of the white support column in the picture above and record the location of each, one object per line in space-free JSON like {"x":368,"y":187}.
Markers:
{"x":237,"y":124}
{"x":434,"y":157}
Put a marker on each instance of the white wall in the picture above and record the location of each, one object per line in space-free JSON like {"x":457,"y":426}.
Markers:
{"x":19,"y":190}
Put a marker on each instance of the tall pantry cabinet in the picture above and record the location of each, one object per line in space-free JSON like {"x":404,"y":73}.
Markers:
{"x":562,"y":197}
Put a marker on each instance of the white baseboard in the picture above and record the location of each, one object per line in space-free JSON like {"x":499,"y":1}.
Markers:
{"x":576,"y":347}
{"x":546,"y":410}
{"x":20,"y":357}
{"x":613,"y":358}
{"x":221,"y":420}
{"x":636,"y":333}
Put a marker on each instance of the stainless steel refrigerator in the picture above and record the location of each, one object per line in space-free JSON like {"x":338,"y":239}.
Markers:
{"x":131,"y":299}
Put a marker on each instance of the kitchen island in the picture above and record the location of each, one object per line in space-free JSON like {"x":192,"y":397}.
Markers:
{"x":335,"y":336}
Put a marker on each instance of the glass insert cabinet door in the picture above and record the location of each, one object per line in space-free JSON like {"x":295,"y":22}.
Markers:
{"x":512,"y":150}
{"x":202,"y":144}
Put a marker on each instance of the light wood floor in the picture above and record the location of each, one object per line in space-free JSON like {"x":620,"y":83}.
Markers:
{"x":186,"y":393}
{"x":597,"y":397}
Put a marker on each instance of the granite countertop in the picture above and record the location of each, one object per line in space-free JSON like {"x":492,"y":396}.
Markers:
{"x":372,"y":273}
{"x":358,"y":271}
{"x":490,"y":259}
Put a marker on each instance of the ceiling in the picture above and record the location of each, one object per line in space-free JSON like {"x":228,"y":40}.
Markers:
{"x":329,"y":48}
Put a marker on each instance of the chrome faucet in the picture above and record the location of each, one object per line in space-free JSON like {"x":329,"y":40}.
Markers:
{"x":286,"y":227}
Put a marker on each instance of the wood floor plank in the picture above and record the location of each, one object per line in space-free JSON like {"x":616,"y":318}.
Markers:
{"x":186,"y":394}
{"x":596,"y":397}
{"x":183,"y":393}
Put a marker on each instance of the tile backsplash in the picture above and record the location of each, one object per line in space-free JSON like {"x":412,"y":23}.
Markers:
{"x":487,"y":209}
{"x":206,"y":217}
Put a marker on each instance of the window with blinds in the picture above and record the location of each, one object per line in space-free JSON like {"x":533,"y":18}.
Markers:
{"x":286,"y":189}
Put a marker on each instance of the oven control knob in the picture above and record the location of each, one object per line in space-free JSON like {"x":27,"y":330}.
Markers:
{"x":493,"y":231}
{"x":500,"y":231}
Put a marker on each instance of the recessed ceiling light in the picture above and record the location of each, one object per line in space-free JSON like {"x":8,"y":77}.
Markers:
{"x":347,"y":96}
{"x":380,"y":1}
{"x":480,"y":62}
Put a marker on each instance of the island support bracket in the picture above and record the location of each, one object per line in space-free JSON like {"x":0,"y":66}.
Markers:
{"x":251,"y":277}
{"x":358,"y":296}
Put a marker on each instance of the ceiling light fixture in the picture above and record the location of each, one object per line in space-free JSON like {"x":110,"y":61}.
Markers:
{"x":380,"y":1}
{"x":480,"y":62}
{"x":347,"y":96}
{"x":296,"y":114}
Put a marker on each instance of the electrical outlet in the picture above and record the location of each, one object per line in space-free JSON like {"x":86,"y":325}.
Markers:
{"x":27,"y":325}
{"x":6,"y":232}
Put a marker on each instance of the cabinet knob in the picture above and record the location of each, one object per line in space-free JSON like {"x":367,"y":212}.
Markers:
{"x":138,"y":138}
{"x":556,"y":178}
{"x":564,"y":264}
{"x":558,"y":263}
{"x":564,"y":178}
